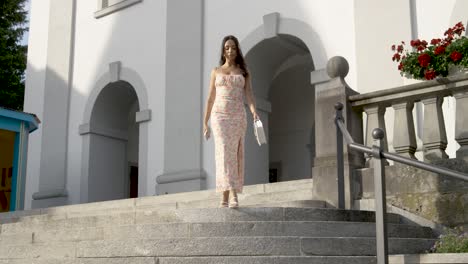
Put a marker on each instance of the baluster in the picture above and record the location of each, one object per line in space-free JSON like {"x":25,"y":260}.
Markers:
{"x":404,"y":137}
{"x":434,"y":135}
{"x":461,"y":124}
{"x":375,"y":119}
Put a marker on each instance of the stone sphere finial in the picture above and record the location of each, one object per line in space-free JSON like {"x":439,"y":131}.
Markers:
{"x":378,"y":133}
{"x":339,"y":106}
{"x":337,"y":66}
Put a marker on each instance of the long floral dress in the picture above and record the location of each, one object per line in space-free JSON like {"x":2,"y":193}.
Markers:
{"x":229,"y":125}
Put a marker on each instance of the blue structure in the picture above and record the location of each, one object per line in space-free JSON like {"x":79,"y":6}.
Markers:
{"x":15,"y":127}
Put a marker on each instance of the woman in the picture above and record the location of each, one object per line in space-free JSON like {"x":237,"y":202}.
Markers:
{"x":228,"y":84}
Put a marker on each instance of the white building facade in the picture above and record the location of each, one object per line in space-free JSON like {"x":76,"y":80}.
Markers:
{"x":120,"y":85}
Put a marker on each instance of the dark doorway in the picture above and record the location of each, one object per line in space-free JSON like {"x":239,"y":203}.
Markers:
{"x":133,"y":182}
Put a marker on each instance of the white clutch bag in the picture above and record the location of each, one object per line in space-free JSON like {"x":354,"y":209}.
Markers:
{"x":259,"y":132}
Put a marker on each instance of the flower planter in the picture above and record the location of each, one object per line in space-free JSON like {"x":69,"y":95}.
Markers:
{"x":439,"y":58}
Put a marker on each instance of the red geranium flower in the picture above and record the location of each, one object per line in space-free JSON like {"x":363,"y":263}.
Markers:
{"x":424,"y":59}
{"x":439,"y":50}
{"x":400,"y":48}
{"x":430,"y":74}
{"x":438,"y":58}
{"x":400,"y":66}
{"x":415,"y":42}
{"x":435,"y":41}
{"x":455,"y":55}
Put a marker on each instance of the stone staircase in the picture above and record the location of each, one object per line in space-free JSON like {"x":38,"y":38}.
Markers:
{"x":277,"y":223}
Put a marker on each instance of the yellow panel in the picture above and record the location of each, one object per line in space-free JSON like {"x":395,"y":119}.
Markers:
{"x":7,"y":145}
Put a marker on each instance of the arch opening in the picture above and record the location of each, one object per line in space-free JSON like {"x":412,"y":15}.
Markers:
{"x":113,"y":144}
{"x":281,"y":68}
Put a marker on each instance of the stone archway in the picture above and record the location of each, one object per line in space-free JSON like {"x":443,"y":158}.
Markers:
{"x":113,"y":139}
{"x":115,"y":131}
{"x":281,"y":64}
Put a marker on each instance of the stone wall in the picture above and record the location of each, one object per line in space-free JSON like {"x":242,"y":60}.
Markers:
{"x":438,"y":198}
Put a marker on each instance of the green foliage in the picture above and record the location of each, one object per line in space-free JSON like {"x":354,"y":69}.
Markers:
{"x":455,"y":241}
{"x":12,"y":53}
{"x":430,"y":60}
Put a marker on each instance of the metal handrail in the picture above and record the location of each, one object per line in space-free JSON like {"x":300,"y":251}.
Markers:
{"x":395,"y":157}
{"x":378,"y":155}
{"x":411,"y":162}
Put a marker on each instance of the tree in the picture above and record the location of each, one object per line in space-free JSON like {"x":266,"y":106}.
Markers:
{"x":13,"y":19}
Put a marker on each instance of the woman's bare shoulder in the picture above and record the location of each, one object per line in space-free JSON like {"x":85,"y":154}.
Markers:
{"x":214,"y":71}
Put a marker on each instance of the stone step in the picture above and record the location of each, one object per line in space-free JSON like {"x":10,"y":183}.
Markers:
{"x":162,"y":201}
{"x":194,"y":215}
{"x":250,"y":246}
{"x":253,"y":194}
{"x":214,"y":246}
{"x":282,"y":199}
{"x":58,"y":250}
{"x":202,"y":260}
{"x":221,"y":229}
{"x":129,"y":260}
{"x":352,"y":246}
{"x":267,"y":260}
{"x":257,"y":214}
{"x":296,"y":203}
{"x":49,"y":223}
{"x":258,"y":200}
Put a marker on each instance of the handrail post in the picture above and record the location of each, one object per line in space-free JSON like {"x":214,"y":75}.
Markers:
{"x":380,"y":197}
{"x":339,"y":157}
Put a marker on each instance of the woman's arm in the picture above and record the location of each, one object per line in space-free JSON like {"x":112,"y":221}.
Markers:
{"x":250,"y":97}
{"x":209,"y":104}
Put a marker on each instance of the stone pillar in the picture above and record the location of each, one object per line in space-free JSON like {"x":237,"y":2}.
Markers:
{"x":404,"y":137}
{"x":182,"y":164}
{"x":375,"y":119}
{"x":53,"y":159}
{"x":461,"y":124}
{"x":324,"y":171}
{"x":434,"y":135}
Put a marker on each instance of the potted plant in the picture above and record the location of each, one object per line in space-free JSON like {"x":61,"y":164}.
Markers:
{"x":426,"y":61}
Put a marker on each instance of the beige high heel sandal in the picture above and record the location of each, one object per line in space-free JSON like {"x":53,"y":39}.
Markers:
{"x":234,"y":203}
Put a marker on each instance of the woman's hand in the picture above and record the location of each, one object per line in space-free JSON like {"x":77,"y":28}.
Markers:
{"x":206,"y":131}
{"x":255,"y":116}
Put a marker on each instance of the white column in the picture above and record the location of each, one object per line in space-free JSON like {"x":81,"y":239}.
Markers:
{"x":53,"y":158}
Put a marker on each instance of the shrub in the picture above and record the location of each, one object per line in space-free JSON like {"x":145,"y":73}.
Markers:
{"x":454,"y":241}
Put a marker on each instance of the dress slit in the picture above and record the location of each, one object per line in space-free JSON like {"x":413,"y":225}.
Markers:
{"x":240,"y":162}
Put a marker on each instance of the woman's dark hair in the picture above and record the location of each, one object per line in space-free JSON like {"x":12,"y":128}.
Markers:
{"x":239,"y":58}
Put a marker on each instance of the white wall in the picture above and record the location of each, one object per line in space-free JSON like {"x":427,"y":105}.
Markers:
{"x":333,"y":26}
{"x":382,"y":24}
{"x":134,"y":36}
{"x":432,"y":20}
{"x":362,"y":31}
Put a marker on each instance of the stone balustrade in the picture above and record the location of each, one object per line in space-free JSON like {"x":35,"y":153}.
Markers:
{"x":402,"y":99}
{"x":437,"y":198}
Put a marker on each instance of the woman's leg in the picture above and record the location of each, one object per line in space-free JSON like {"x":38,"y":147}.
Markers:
{"x":224,"y":199}
{"x":234,"y":203}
